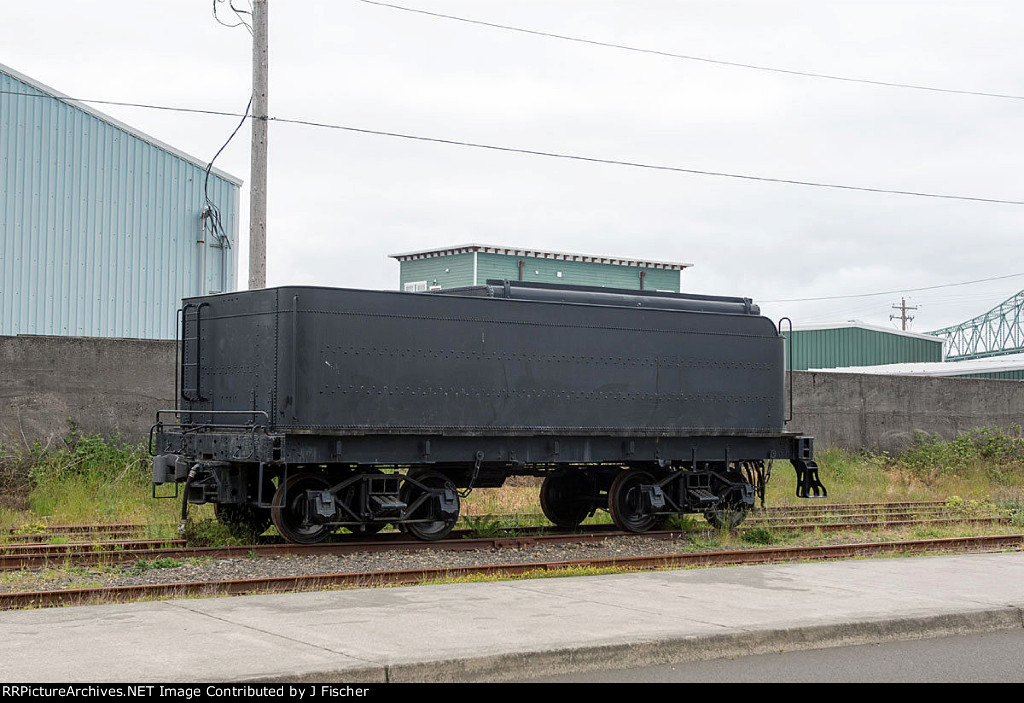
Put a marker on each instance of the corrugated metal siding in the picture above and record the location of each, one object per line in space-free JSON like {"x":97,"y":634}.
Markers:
{"x":576,"y":273}
{"x":99,"y":227}
{"x":999,"y":375}
{"x":853,"y":346}
{"x":497,"y":266}
{"x":445,"y":271}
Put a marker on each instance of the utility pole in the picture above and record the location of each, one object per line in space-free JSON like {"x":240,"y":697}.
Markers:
{"x":902,"y":307}
{"x":258,"y":180}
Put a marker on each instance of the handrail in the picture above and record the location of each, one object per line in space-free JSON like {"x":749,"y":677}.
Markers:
{"x":789,"y":365}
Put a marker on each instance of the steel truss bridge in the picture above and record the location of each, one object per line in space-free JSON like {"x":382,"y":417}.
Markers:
{"x":994,"y":333}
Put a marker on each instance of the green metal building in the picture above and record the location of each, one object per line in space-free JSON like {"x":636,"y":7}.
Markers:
{"x":857,"y":344}
{"x":474,"y":264}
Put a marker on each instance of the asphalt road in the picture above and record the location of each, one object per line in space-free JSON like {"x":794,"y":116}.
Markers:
{"x":989,"y":657}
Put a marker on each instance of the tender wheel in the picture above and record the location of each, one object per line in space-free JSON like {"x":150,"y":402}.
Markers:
{"x":245,"y":522}
{"x":288,"y":518}
{"x":435,"y":529}
{"x":563,"y":499}
{"x":733,"y":508}
{"x":727,"y":518}
{"x":625,"y":502}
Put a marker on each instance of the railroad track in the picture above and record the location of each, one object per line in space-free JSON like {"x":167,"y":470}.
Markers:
{"x":68,"y":530}
{"x":377,"y":578}
{"x":38,"y":556}
{"x":773,"y":512}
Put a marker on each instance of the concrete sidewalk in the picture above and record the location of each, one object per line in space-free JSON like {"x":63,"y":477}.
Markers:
{"x":515,"y":629}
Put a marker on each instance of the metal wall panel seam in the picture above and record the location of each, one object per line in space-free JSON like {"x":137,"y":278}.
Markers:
{"x":90,"y":247}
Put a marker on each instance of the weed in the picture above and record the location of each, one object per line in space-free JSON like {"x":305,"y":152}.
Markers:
{"x":682,"y":523}
{"x":761,"y":535}
{"x":143,"y":565}
{"x":999,"y":453}
{"x":709,"y":541}
{"x":927,"y":533}
{"x":493,"y":526}
{"x":210,"y":533}
{"x":32,"y":528}
{"x":485,"y":526}
{"x":1016,"y":512}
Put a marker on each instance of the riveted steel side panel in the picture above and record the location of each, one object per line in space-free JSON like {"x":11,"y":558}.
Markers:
{"x":350,"y":362}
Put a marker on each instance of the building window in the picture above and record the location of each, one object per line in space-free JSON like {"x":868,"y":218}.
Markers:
{"x":416,"y":287}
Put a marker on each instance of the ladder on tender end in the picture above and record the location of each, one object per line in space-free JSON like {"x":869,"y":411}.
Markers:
{"x":191,"y":351}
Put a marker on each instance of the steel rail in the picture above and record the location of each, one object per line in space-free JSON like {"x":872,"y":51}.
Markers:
{"x":35,"y":537}
{"x":835,"y":508}
{"x":462,"y":540}
{"x":755,"y":518}
{"x":97,"y":527}
{"x":126,"y":533}
{"x":72,"y":531}
{"x":49,"y":530}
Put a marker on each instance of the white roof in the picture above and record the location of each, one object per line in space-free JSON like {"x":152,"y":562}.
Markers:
{"x":539,"y":254}
{"x":864,"y":326}
{"x":1012,"y":362}
{"x":118,"y":124}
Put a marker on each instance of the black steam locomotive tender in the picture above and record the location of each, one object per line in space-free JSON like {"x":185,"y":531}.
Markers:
{"x":317,"y":409}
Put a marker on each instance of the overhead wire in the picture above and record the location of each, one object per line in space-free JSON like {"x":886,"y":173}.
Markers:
{"x":896,"y":291}
{"x":703,"y":59}
{"x":635,"y":164}
{"x":212,"y":208}
{"x":215,"y":216}
{"x":558,"y":155}
{"x":815,"y":313}
{"x":238,"y":13}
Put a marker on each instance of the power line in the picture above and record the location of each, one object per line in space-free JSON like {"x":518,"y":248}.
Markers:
{"x":238,"y":13}
{"x":214,"y":211}
{"x":703,"y":59}
{"x":891,"y":292}
{"x":635,"y":164}
{"x":572,"y":157}
{"x":64,"y":98}
{"x":218,"y":225}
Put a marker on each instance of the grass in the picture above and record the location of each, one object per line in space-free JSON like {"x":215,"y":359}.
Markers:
{"x":84,"y":480}
{"x":764,"y":536}
{"x":983,"y":464}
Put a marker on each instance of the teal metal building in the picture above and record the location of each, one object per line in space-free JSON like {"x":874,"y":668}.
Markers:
{"x":474,"y":264}
{"x":103,"y":229}
{"x":858,"y":344}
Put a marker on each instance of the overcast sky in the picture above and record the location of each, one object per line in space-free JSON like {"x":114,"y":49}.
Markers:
{"x":340,"y":202}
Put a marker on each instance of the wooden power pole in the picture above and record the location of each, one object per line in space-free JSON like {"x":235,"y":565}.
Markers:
{"x":258,"y":179}
{"x":902,"y":307}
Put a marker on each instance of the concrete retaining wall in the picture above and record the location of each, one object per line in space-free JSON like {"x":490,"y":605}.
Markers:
{"x":115,"y":386}
{"x":866,"y":411}
{"x":105,"y":386}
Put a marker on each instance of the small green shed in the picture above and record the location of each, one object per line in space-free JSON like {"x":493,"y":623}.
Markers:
{"x":474,"y":264}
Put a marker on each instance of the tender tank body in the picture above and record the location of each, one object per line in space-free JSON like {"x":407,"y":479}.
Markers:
{"x":475,"y":384}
